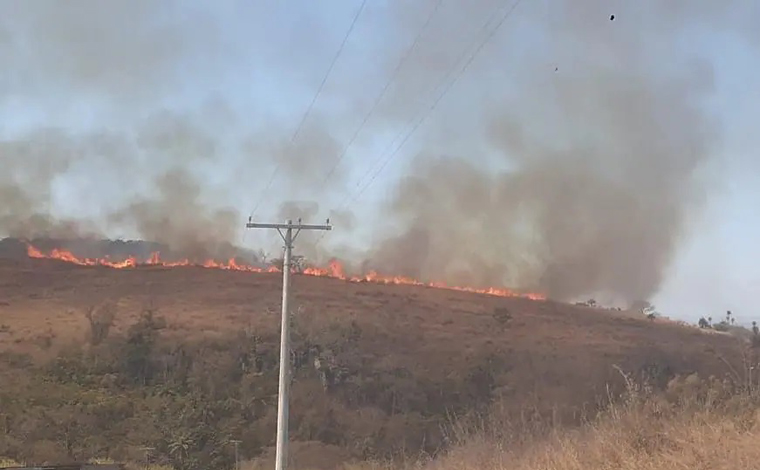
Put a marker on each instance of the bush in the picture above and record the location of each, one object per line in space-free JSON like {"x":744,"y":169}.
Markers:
{"x":723,"y":326}
{"x":100,"y":318}
{"x":502,"y":316}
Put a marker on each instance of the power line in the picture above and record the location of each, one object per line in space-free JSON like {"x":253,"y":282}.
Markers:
{"x":349,"y":200}
{"x":332,"y":64}
{"x":486,"y":40}
{"x":311,"y":105}
{"x":411,"y":120}
{"x":384,"y":91}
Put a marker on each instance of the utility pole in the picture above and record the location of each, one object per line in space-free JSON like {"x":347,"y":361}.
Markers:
{"x":237,"y":453}
{"x":147,"y":451}
{"x":288,"y":236}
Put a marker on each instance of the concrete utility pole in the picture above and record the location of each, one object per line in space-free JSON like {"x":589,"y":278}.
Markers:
{"x":147,"y":451}
{"x":237,"y":453}
{"x":286,"y":232}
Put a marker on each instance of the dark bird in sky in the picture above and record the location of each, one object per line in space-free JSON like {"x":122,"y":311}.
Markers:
{"x":612,"y":17}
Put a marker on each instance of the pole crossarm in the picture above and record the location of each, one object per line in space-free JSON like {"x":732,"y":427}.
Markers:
{"x":289,"y":226}
{"x":286,"y":226}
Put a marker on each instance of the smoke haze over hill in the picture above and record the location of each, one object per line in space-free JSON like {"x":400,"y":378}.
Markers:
{"x":568,"y":159}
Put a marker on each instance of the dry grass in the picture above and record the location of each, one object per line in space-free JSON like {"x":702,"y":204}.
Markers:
{"x":650,"y":434}
{"x":6,"y":462}
{"x":629,"y":442}
{"x":543,"y":356}
{"x":695,"y":425}
{"x":572,"y":347}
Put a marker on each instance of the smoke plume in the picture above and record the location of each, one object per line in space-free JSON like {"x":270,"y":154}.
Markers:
{"x":595,"y":168}
{"x":564,"y":160}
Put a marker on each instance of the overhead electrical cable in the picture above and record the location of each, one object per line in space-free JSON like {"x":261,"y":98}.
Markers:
{"x":383,"y":92}
{"x":508,"y":10}
{"x":507,"y":13}
{"x":311,"y":105}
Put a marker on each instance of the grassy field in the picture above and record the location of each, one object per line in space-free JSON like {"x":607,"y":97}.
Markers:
{"x":187,"y":362}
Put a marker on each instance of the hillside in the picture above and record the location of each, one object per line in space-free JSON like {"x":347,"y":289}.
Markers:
{"x":190,"y":362}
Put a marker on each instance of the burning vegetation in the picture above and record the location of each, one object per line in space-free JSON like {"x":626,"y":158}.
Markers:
{"x":334,"y":269}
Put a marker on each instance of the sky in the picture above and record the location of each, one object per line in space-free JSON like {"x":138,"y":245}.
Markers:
{"x":715,"y":270}
{"x":110,"y":96}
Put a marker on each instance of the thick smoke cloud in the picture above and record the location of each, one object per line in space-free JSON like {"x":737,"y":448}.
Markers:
{"x":121,"y":50}
{"x":30,"y":166}
{"x":177,"y":218}
{"x":602,"y":215}
{"x":564,"y":161}
{"x":597,"y":164}
{"x":121,"y":59}
{"x":123,"y":55}
{"x":165,"y":207}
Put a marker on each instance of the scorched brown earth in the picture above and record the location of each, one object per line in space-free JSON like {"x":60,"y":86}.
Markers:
{"x":403,"y":361}
{"x":38,"y":295}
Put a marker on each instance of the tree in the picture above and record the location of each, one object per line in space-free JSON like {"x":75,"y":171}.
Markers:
{"x":298,"y":263}
{"x":100,"y":318}
{"x":179,"y":448}
{"x":650,"y":311}
{"x":277,"y":263}
{"x":141,"y":338}
{"x":640,"y":305}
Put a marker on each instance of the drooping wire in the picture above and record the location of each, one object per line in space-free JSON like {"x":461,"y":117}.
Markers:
{"x":311,"y":105}
{"x":508,"y":11}
{"x":434,"y":105}
{"x":383,"y":92}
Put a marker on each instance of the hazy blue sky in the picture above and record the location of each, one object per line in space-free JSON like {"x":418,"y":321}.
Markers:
{"x":241,"y":75}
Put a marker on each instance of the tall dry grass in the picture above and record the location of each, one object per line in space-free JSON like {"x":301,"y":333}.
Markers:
{"x":693,"y":425}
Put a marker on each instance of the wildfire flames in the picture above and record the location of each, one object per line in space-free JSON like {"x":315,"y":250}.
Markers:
{"x":334,"y":270}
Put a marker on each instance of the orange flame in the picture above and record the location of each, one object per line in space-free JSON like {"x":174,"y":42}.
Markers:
{"x":333,"y":270}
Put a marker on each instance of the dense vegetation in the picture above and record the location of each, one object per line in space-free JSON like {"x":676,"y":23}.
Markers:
{"x":91,"y":368}
{"x":187,"y":400}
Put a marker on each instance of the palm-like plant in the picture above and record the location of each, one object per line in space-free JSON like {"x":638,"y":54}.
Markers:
{"x":179,"y":447}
